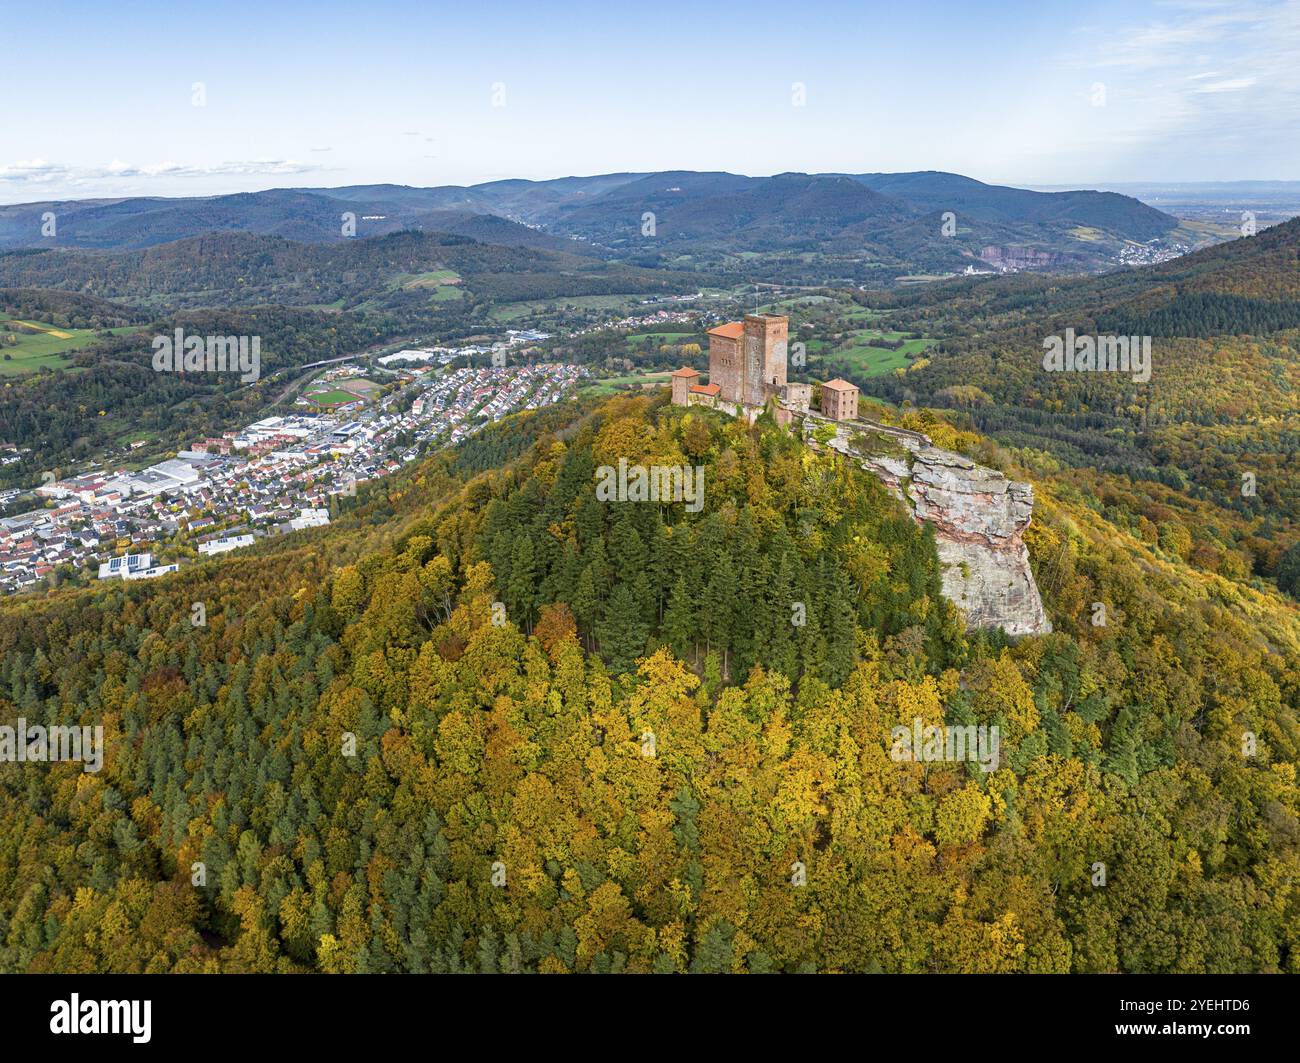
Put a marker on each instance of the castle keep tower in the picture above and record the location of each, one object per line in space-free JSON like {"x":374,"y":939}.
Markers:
{"x":765,"y":351}
{"x":747,"y":359}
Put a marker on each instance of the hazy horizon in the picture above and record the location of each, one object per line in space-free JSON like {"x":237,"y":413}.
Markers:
{"x":1026,"y":94}
{"x":1124,"y":187}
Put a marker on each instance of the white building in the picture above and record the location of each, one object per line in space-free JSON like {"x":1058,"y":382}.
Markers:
{"x":181,"y":471}
{"x":310,"y":518}
{"x":173,"y":475}
{"x":152,"y":571}
{"x":226,"y":543}
{"x":133,"y":566}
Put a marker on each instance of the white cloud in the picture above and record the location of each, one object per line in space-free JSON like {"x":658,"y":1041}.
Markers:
{"x":1191,"y":90}
{"x":1231,"y":85}
{"x":31,"y":170}
{"x":39,"y":171}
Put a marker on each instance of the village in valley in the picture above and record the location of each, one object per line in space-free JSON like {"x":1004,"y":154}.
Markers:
{"x":276,"y":475}
{"x":356,"y":421}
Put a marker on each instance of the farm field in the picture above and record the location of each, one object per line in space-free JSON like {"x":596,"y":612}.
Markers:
{"x":432,"y":279}
{"x":444,"y":284}
{"x":923,"y":278}
{"x":40,"y":346}
{"x":863,"y":355}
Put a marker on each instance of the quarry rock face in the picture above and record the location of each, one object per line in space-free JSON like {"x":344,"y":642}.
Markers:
{"x":1027,"y":258}
{"x":979,"y":517}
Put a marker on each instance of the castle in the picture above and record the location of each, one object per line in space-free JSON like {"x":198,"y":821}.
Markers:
{"x":747,"y":370}
{"x":979,"y":516}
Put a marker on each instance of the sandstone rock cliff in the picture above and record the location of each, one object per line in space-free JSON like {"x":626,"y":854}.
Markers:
{"x":979,"y":518}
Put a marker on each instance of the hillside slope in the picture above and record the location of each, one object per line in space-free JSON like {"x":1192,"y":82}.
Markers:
{"x":588,"y":737}
{"x":245,"y":269}
{"x":932,"y":190}
{"x":1211,"y":440}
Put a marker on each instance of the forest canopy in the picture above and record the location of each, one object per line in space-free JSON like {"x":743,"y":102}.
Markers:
{"x":509,"y":728}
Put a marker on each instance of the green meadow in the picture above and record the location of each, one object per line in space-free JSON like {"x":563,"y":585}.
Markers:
{"x":634,"y":339}
{"x":504,"y":312}
{"x":444,"y":285}
{"x":40,"y":346}
{"x":860,"y":354}
{"x":610,"y":385}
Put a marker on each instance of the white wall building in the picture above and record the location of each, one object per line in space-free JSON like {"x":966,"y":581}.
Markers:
{"x":310,"y":518}
{"x":226,"y":543}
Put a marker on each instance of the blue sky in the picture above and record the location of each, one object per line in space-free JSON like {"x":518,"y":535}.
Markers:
{"x":99,"y":99}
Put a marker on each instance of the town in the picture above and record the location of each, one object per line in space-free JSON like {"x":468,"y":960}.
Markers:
{"x":273,"y":476}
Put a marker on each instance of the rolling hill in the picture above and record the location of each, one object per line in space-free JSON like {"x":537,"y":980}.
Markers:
{"x":933,"y":190}
{"x":888,"y":220}
{"x":1210,"y":441}
{"x":581,"y":737}
{"x":244,"y":269}
{"x":305,"y":215}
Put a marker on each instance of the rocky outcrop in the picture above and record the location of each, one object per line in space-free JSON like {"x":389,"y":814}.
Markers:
{"x":979,"y":518}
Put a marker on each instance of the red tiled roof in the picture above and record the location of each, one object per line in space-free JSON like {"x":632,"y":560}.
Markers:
{"x":732,"y":330}
{"x":706,"y":389}
{"x":684,"y":371}
{"x":840,"y":385}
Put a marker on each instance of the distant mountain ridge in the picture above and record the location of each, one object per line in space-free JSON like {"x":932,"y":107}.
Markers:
{"x":935,"y":190}
{"x":306,"y":216}
{"x":897,"y":219}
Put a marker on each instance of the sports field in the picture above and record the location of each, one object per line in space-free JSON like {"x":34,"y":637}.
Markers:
{"x":339,"y":392}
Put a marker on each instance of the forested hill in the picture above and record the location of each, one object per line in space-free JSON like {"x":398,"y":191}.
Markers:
{"x":932,"y":190}
{"x":605,"y":203}
{"x":1263,"y":269}
{"x":226,"y":269}
{"x":590,"y":736}
{"x":1203,"y":453}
